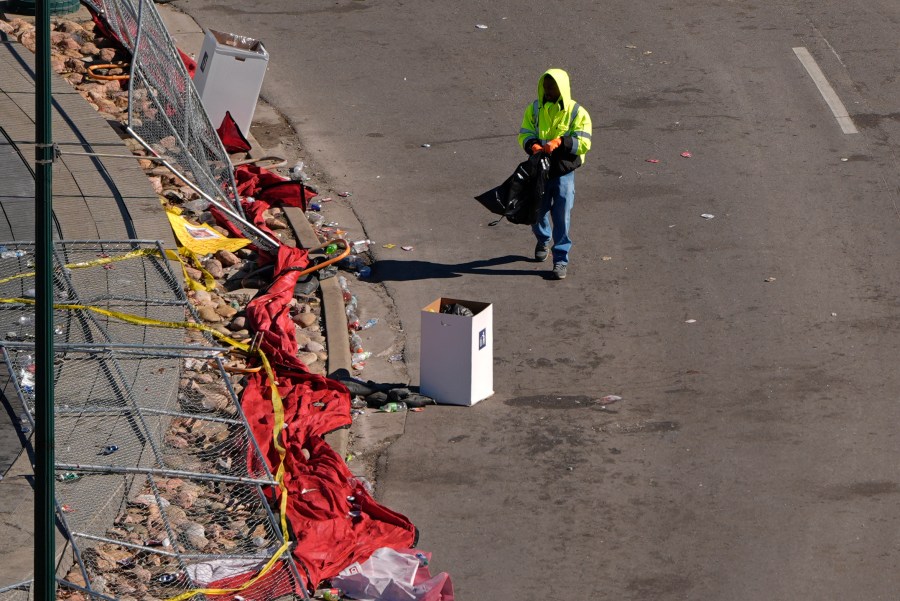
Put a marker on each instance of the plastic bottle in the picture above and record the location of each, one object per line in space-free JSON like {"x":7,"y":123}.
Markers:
{"x":296,"y":172}
{"x":353,"y":263}
{"x":360,"y":246}
{"x":328,"y":594}
{"x":360,"y":357}
{"x":393,"y":407}
{"x":345,"y":289}
{"x":364,"y":272}
{"x":331,"y":249}
{"x":315,"y":218}
{"x":356,"y":343}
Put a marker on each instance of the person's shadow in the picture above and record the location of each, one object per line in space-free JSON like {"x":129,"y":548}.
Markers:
{"x":395,"y":270}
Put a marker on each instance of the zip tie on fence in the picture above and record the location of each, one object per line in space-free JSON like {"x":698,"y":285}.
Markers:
{"x":277,"y":409}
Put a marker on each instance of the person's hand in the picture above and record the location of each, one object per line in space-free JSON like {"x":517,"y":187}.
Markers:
{"x":536,"y":148}
{"x":552,"y":145}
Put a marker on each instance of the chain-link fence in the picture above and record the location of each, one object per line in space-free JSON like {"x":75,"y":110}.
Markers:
{"x":161,"y":489}
{"x":165,"y":112}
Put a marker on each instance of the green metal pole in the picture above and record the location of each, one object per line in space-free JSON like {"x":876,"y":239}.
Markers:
{"x":45,"y":453}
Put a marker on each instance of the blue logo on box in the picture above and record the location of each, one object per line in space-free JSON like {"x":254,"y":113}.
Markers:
{"x":482,"y":339}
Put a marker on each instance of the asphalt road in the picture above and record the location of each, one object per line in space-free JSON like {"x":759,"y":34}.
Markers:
{"x":754,"y":456}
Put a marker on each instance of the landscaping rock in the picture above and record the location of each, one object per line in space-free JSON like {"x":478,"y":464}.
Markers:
{"x":228,"y":258}
{"x":305,"y":319}
{"x":214,"y":267}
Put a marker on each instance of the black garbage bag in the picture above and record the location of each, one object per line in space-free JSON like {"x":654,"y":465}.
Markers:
{"x":457,"y":309}
{"x":519,"y":197}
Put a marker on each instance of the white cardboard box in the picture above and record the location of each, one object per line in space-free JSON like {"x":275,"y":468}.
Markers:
{"x":456,"y":363}
{"x":230,"y":73}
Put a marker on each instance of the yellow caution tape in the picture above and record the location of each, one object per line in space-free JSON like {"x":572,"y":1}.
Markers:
{"x":277,"y":403}
{"x":142,"y":252}
{"x":209,"y":282}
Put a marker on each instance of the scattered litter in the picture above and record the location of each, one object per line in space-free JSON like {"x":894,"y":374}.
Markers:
{"x":297,"y":174}
{"x":769,"y":279}
{"x":345,"y":194}
{"x":833,"y":314}
{"x":690,"y":321}
{"x":611,"y":398}
{"x":417,"y":409}
{"x":167,"y":578}
{"x":369,"y":323}
{"x":631,"y":46}
{"x":687,"y":154}
{"x":67,"y":508}
{"x":407,"y":248}
{"x":326,"y":199}
{"x":388,"y":246}
{"x":349,"y":457}
{"x":456,"y":309}
{"x":844,"y":159}
{"x":426,"y":145}
{"x":480,"y":26}
{"x":357,"y":412}
{"x":708,"y":216}
{"x":328,"y":594}
{"x":68,"y":477}
{"x":652,"y":160}
{"x":393,"y":407}
{"x":314,"y":206}
{"x":395,"y":358}
{"x":606,"y":258}
{"x":109,"y":449}
{"x":647,"y":52}
{"x":108,"y":266}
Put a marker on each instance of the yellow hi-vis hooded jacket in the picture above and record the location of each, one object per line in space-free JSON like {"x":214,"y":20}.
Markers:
{"x":566,"y":119}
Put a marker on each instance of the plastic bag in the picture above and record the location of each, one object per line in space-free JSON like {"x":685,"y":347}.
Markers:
{"x":390,"y":575}
{"x":519,"y":197}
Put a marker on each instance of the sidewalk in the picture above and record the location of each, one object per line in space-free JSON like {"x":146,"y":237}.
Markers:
{"x":94,"y":199}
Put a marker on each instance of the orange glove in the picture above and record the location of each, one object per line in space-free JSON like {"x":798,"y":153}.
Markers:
{"x":536,"y":148}
{"x":552,"y":145}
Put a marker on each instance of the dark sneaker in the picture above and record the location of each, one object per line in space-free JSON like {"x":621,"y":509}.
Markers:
{"x":559,"y":271}
{"x":541,"y":251}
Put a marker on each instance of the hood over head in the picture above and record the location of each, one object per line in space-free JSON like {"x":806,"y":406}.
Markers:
{"x":562,"y":82}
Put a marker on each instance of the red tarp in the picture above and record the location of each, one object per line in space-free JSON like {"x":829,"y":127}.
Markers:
{"x":334,"y":520}
{"x":231,"y":135}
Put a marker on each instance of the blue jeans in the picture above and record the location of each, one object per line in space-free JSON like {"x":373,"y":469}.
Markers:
{"x":559,"y":196}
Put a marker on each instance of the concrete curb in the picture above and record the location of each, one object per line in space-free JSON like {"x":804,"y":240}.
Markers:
{"x":333,"y":314}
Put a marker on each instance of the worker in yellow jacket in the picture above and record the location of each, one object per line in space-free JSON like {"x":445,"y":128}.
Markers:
{"x":558,"y":126}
